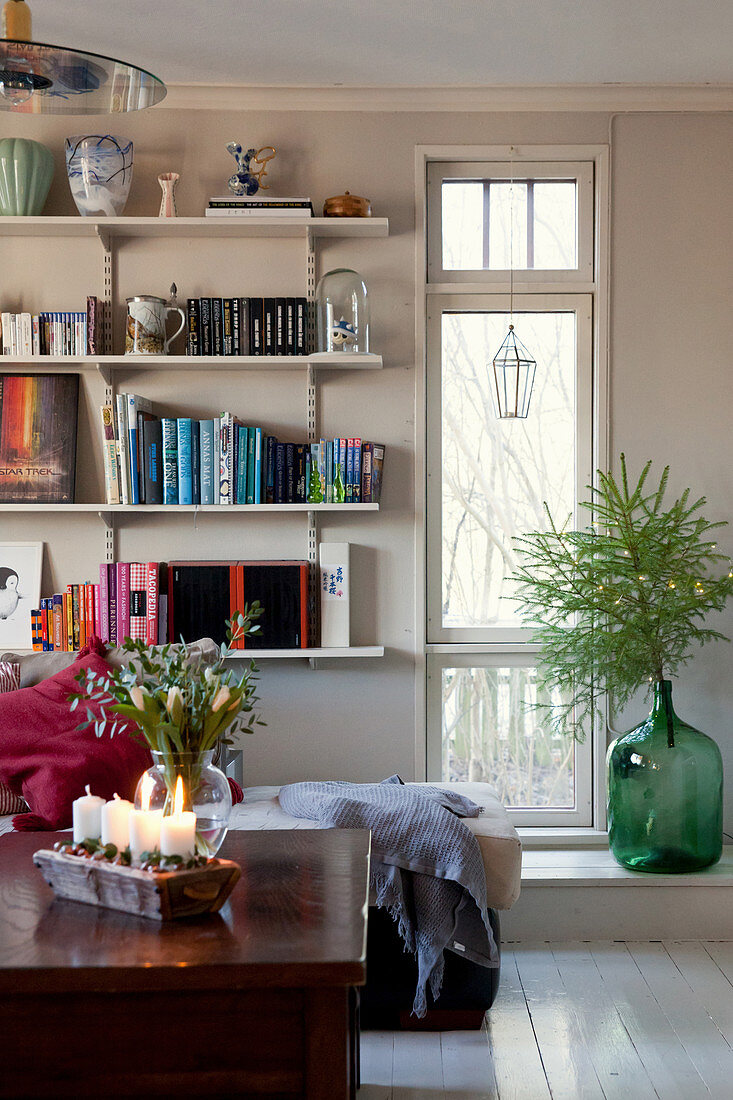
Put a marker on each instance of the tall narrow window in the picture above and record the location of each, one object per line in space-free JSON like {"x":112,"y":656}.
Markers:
{"x":489,"y":479}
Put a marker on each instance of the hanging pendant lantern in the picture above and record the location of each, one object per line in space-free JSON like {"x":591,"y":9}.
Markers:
{"x":514,"y":367}
{"x":511,"y":386}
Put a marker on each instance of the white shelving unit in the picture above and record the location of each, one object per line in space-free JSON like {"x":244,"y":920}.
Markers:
{"x":110,"y":230}
{"x":327,"y":361}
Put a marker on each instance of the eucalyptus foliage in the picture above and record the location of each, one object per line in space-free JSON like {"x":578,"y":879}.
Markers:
{"x":621,"y":602}
{"x":179,"y":705}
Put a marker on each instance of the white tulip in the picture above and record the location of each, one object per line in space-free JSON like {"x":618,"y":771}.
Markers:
{"x":137,"y":696}
{"x":222,"y":696}
{"x":174,"y":703}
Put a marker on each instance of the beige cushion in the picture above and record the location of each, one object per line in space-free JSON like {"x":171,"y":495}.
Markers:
{"x":35,"y":667}
{"x":498,"y":841}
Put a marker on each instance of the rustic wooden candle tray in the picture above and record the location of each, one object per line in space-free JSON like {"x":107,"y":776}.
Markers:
{"x":160,"y":895}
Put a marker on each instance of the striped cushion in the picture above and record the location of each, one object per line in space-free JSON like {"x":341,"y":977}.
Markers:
{"x":10,"y":681}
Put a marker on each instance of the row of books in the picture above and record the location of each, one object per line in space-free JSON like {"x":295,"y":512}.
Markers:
{"x":259,"y":205}
{"x":149,"y":459}
{"x":247,"y":326}
{"x":126,"y":602}
{"x":156,"y":602}
{"x":53,"y":333}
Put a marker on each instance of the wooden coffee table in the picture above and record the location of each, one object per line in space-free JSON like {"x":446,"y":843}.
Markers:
{"x":255,"y":1001}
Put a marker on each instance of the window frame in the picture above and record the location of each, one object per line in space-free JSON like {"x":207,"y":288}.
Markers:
{"x":582,"y":172}
{"x":489,"y":156}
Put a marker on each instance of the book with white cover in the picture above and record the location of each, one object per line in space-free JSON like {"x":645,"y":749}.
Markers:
{"x":334,"y":589}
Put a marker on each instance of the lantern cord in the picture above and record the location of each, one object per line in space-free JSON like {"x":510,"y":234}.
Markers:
{"x":511,"y":235}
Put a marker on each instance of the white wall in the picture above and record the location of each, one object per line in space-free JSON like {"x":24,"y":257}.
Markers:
{"x":671,"y":333}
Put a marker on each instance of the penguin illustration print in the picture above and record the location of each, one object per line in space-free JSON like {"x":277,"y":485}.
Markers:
{"x":9,"y":595}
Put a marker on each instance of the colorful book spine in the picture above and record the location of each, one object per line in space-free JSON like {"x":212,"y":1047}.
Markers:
{"x":258,"y":465}
{"x":349,"y":471}
{"x":185,"y":467}
{"x":367,"y":450}
{"x":112,"y":581}
{"x":36,"y":631}
{"x":43,"y":615}
{"x":123,"y":600}
{"x":58,"y":629}
{"x":138,"y":593}
{"x":123,"y":446}
{"x":152,"y":595}
{"x":240,"y":435}
{"x":356,"y":479}
{"x":225,"y":458}
{"x":68,"y":639}
{"x":207,"y":461}
{"x":111,"y":466}
{"x":104,"y":601}
{"x":378,"y":450}
{"x":270,"y":445}
{"x":89,"y":614}
{"x":75,"y":619}
{"x":170,"y":460}
{"x":193,"y":346}
{"x":250,"y":465}
{"x":97,"y":610}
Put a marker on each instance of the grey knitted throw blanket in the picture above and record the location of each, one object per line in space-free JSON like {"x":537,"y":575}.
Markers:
{"x":426,"y":866}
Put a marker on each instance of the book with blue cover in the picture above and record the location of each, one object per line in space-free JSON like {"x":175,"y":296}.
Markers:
{"x":185,"y":468}
{"x":170,"y":460}
{"x":207,"y":461}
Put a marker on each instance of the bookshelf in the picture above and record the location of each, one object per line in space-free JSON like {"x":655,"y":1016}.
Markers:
{"x":108,"y":232}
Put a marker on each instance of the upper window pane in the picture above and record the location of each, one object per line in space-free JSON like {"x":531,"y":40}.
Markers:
{"x":497,"y":224}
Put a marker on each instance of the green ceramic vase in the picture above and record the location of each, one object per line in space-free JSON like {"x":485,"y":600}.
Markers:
{"x":26,"y":171}
{"x":665,"y":793}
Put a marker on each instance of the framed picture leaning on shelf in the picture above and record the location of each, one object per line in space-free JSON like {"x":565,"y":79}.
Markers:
{"x":20,"y":592}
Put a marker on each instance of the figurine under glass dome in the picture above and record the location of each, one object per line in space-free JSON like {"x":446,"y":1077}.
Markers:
{"x":342,"y":311}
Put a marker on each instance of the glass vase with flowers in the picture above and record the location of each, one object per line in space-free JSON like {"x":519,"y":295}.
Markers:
{"x":185,"y":710}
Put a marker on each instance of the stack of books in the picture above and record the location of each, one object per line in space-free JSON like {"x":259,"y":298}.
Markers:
{"x":157,"y":602}
{"x":150,"y":459}
{"x":52,"y":333}
{"x":259,"y":206}
{"x":247,"y":326}
{"x":130,"y":601}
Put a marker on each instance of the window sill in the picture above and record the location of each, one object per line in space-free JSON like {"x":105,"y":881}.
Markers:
{"x":593,"y":868}
{"x":560,"y":839}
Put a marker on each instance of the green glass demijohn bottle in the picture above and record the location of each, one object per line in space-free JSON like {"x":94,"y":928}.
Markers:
{"x":665,"y":793}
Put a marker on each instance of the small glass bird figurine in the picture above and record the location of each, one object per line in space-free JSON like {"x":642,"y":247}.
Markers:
{"x":246,"y":180}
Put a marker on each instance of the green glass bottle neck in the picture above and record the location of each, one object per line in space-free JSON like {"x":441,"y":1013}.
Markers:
{"x":662,"y":712}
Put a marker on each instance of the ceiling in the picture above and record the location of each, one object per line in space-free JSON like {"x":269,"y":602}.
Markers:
{"x":403,"y":42}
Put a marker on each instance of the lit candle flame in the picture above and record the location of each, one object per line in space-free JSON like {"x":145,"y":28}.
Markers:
{"x":178,"y":797}
{"x":146,"y":791}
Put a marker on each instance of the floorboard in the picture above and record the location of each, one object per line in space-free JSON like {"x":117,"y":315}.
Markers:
{"x":578,"y":1021}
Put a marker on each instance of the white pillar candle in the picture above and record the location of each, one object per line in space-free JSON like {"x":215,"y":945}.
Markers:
{"x":178,"y":830}
{"x":144,"y":831}
{"x":144,"y":824}
{"x":116,"y":822}
{"x":178,"y":835}
{"x":87,"y":817}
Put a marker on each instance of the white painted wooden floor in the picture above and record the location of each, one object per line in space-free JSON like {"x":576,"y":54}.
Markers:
{"x":578,"y":1021}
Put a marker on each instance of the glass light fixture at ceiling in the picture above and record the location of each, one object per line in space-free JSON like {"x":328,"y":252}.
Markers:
{"x":39,"y":78}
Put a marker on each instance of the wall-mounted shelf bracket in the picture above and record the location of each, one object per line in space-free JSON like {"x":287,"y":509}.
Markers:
{"x":105,"y":372}
{"x":104,"y":237}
